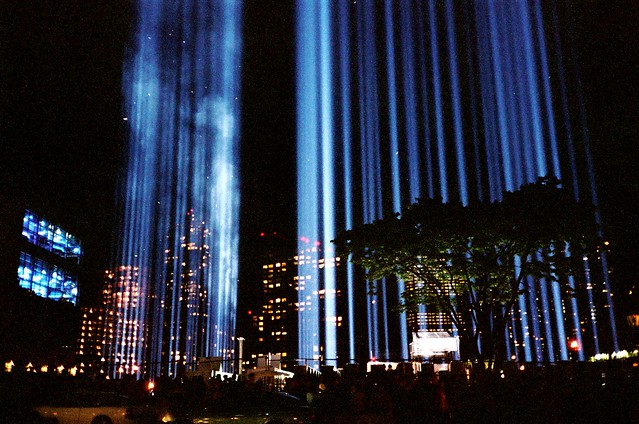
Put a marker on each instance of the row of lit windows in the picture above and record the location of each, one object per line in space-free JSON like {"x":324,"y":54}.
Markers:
{"x":49,"y":236}
{"x":46,"y":280}
{"x":276,"y":265}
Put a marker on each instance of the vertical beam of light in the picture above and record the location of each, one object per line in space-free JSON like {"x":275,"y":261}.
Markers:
{"x":559,"y":320}
{"x":424,"y":89}
{"x":488,"y":107}
{"x":591,"y":306}
{"x":511,"y":74}
{"x":565,"y":111}
{"x":500,"y":94}
{"x":456,"y":105}
{"x":512,"y":351}
{"x":575,"y":319}
{"x":308,"y":182}
{"x":498,"y":104}
{"x":328,"y":179}
{"x":369,"y":137}
{"x":533,"y":308}
{"x":411,"y":128}
{"x":472,"y":95}
{"x":345,"y":85}
{"x":558,"y":306}
{"x":590,"y":169}
{"x":393,"y":152}
{"x":523,"y":316}
{"x":545,"y":313}
{"x":180,"y":190}
{"x":372,"y":314}
{"x":576,"y":322}
{"x":525,"y":329}
{"x":531,"y":87}
{"x":545,"y":78}
{"x":416,"y":157}
{"x":385,"y":311}
{"x":317,"y":175}
{"x":392,"y":105}
{"x":524,"y":113}
{"x":439,"y":116}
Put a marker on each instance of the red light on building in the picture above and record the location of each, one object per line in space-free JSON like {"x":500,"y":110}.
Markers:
{"x":573,"y":345}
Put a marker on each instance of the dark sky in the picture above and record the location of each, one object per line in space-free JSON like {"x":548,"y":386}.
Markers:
{"x":62,"y":136}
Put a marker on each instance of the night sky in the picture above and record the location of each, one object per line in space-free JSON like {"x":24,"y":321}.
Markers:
{"x":63,"y":140}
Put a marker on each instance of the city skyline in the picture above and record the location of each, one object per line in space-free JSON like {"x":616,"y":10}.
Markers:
{"x":267,"y":214}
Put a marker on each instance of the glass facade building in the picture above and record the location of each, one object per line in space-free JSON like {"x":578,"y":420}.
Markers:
{"x":47,"y":268}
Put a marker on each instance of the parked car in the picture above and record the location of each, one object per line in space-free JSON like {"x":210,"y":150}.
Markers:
{"x":86,"y":408}
{"x":248,"y":408}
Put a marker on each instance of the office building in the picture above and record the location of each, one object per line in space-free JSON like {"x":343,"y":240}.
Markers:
{"x":40,"y":316}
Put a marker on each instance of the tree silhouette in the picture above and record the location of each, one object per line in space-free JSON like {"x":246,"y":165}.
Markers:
{"x":472,"y":262}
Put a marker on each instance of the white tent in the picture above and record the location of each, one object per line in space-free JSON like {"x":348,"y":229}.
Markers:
{"x":431,"y":343}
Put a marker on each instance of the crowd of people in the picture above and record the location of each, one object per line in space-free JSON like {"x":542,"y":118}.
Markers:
{"x":528,"y":393}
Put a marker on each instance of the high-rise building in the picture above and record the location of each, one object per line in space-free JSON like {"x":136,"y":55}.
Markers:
{"x":272,"y":307}
{"x":276,"y":321}
{"x":320,"y":321}
{"x":427,"y":317}
{"x":125,"y":329}
{"x":288,"y":293}
{"x":91,"y":340}
{"x":454,"y":100}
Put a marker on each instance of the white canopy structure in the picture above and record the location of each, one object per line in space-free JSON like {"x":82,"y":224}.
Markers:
{"x":432,"y":343}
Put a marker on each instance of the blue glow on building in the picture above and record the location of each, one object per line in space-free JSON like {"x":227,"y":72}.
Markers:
{"x":175,"y":272}
{"x":50,"y":237}
{"x":399,"y":100}
{"x":54,"y":278}
{"x":47,"y":280}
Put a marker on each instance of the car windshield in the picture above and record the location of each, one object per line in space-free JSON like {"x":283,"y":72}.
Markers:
{"x":81,"y":399}
{"x":249,"y":403}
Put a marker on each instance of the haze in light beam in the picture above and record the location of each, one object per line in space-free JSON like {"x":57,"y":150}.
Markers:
{"x":180,"y":190}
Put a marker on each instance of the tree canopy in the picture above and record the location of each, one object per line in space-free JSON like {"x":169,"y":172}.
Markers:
{"x":472,"y":262}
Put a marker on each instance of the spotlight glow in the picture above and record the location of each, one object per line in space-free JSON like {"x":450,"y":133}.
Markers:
{"x":398,"y":100}
{"x":174,"y":289}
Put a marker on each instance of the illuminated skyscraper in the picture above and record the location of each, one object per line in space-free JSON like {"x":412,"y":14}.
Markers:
{"x":91,"y":340}
{"x":315,"y":318}
{"x":289,"y":291}
{"x":184,"y":303}
{"x":399,"y":100}
{"x":125,"y":330}
{"x":427,"y":318}
{"x":276,"y":320}
{"x":181,"y":103}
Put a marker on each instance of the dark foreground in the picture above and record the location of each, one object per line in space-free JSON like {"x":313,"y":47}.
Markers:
{"x":606,"y":392}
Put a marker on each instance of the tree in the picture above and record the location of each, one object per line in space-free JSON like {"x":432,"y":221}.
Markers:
{"x":472,"y":262}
